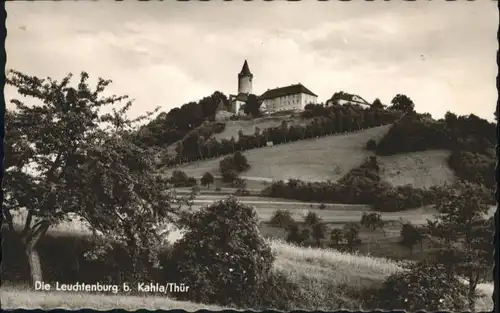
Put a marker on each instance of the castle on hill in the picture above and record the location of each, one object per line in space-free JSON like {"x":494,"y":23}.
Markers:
{"x":292,"y":97}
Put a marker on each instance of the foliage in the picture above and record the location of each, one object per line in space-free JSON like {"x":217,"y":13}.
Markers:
{"x":222,"y":256}
{"x":207,"y":179}
{"x":252,"y":105}
{"x":410,"y":236}
{"x":311,"y":218}
{"x":372,"y":221}
{"x":318,"y":232}
{"x":465,"y":232}
{"x":231,"y":166}
{"x":336,"y":236}
{"x":64,"y":155}
{"x":167,"y":128}
{"x":180,"y":179}
{"x":377,"y":105}
{"x":282,"y":218}
{"x":351,"y":234}
{"x":371,"y":145}
{"x":402,"y":103}
{"x":424,"y":286}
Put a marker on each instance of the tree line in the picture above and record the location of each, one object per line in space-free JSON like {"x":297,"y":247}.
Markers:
{"x":325,"y":121}
{"x":361,"y":185}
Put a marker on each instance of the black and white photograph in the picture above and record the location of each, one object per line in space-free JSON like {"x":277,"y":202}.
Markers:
{"x":250,"y":155}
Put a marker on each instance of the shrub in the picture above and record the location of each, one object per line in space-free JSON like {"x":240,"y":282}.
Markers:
{"x":180,"y":179}
{"x":240,"y":162}
{"x":423,"y":286}
{"x":231,"y":166}
{"x":410,"y":236}
{"x":282,"y":218}
{"x":222,"y":257}
{"x":207,"y":179}
{"x":371,"y":145}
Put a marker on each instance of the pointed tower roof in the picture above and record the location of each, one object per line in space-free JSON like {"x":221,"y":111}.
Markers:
{"x":245,"y":70}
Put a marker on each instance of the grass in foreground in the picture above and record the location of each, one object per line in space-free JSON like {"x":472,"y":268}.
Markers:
{"x":327,"y":280}
{"x":17,"y":298}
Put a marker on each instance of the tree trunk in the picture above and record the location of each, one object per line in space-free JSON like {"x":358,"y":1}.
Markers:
{"x":30,"y":238}
{"x":472,"y":295}
{"x":36,"y":273}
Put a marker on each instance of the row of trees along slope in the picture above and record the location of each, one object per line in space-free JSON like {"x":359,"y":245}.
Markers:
{"x":64,"y":155}
{"x":325,"y":121}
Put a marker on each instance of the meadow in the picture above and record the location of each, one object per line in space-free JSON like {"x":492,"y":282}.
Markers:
{"x":330,"y":158}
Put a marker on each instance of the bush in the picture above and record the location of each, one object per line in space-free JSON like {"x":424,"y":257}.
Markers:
{"x":207,"y":179}
{"x":222,"y":257}
{"x":423,"y":286}
{"x":231,"y":166}
{"x":371,"y":145}
{"x":282,"y":218}
{"x":180,"y":179}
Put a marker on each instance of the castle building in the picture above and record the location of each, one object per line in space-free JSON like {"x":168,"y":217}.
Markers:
{"x":293,"y":97}
{"x":344,"y":98}
{"x":289,"y":98}
{"x":245,"y":78}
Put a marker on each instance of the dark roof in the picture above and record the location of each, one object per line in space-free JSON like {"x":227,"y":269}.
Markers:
{"x":284,"y":91}
{"x":245,"y":70}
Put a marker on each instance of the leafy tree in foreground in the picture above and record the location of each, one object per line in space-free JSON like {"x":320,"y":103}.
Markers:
{"x":63,"y":155}
{"x":465,"y":232}
{"x":222,"y":257}
{"x":207,"y":179}
{"x":423,"y":286}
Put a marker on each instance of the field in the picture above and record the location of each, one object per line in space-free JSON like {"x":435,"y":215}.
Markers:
{"x":420,"y":169}
{"x":315,"y":159}
{"x":330,"y":158}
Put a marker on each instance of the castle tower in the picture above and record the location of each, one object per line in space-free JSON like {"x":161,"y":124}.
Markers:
{"x":245,"y":80}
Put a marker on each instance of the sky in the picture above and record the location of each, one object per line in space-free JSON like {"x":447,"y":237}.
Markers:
{"x":440,"y":54}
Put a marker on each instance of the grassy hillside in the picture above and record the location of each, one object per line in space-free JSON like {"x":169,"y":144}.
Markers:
{"x":421,"y":169}
{"x":318,"y":159}
{"x":331,"y":157}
